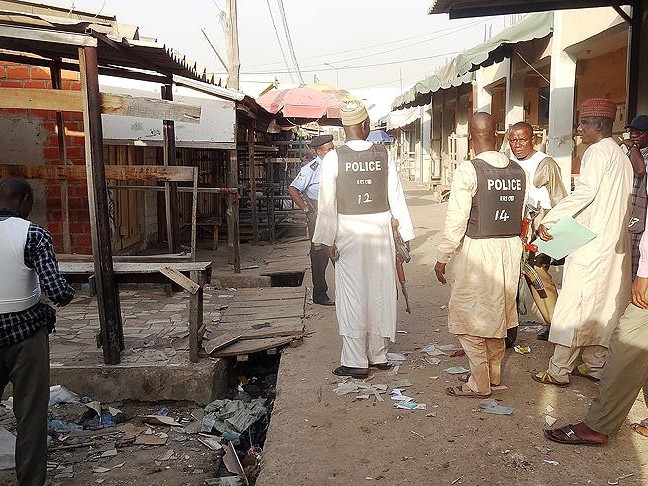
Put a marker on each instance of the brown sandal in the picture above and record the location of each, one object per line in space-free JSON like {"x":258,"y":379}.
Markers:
{"x":569,"y":437}
{"x":380,"y":366}
{"x":458,"y":391}
{"x":546,"y":379}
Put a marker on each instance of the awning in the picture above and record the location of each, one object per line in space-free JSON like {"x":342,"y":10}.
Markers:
{"x":401,"y":118}
{"x":460,"y":70}
{"x":459,"y":9}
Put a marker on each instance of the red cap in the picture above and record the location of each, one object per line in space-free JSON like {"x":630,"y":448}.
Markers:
{"x":598,"y":107}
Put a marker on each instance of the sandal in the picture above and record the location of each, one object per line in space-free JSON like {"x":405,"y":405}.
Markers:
{"x":352,"y":372}
{"x":546,"y":379}
{"x":458,"y":391}
{"x":581,"y":370}
{"x":380,"y":366}
{"x":640,"y":429}
{"x":566,"y":435}
{"x":466,"y":377}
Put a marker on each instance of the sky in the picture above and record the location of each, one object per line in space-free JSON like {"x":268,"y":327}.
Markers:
{"x":374,"y":48}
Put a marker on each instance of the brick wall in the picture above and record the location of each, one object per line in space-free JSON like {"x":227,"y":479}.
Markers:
{"x":22,"y":76}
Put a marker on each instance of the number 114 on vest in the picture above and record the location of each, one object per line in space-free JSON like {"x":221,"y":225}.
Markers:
{"x":501,"y":215}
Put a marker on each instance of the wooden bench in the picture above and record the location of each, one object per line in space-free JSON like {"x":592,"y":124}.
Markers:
{"x":192,"y":276}
{"x":211,"y":223}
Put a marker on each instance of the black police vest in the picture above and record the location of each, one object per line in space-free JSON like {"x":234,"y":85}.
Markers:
{"x":497,"y":206}
{"x":362,"y":180}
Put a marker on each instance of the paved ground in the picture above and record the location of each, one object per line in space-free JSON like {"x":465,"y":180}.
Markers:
{"x":317,"y":437}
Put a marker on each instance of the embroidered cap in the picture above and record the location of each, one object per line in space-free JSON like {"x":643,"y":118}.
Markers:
{"x":353,"y":113}
{"x":598,"y":107}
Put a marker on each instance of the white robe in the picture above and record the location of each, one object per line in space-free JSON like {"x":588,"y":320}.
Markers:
{"x":485,"y":272}
{"x":365,"y":274}
{"x":596,"y":281}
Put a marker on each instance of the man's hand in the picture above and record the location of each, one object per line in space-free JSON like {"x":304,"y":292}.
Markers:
{"x":439,"y":270}
{"x":639,"y":289}
{"x":332,"y":252}
{"x":543,"y":233}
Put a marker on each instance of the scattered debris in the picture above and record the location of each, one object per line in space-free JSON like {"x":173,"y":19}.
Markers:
{"x":396,"y":359}
{"x":613,"y":482}
{"x":165,"y":456}
{"x":410,"y":406}
{"x":457,"y":370}
{"x":433,"y":361}
{"x":155,"y":439}
{"x":456,"y":480}
{"x":553,"y":463}
{"x":60,"y":394}
{"x":417,"y":434}
{"x":543,"y":449}
{"x":401,"y":383}
{"x":160,"y":420}
{"x":550,"y":420}
{"x":549,"y":409}
{"x":490,"y":405}
{"x":7,"y":449}
{"x":522,"y":349}
{"x":433,"y":350}
{"x":458,"y":353}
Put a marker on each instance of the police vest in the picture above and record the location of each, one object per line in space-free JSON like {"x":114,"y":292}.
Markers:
{"x":19,"y":286}
{"x":362,"y":180}
{"x":497,"y":206}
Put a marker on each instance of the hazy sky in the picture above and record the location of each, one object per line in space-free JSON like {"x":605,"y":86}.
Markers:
{"x":377,"y":46}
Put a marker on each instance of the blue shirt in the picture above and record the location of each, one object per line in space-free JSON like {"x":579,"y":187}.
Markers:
{"x":308,"y":179}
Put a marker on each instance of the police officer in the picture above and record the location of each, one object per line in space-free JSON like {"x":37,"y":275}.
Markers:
{"x":304,"y":191}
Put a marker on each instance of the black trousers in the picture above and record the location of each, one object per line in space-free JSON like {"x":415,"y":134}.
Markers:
{"x":319,"y":261}
{"x":26,"y":366}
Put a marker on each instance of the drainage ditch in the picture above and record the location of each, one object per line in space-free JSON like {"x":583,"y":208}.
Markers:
{"x":287,"y":279}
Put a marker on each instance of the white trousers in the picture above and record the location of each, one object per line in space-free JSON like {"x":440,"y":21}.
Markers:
{"x":564,"y":359}
{"x":361,"y":352}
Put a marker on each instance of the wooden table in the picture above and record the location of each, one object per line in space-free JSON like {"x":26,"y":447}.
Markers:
{"x":192,"y":276}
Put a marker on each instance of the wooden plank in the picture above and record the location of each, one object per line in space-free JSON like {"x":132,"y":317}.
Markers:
{"x":184,"y":282}
{"x":41,"y":99}
{"x":150,"y":173}
{"x":196,"y":316}
{"x":270,"y":303}
{"x":220,"y":341}
{"x":130,"y":267}
{"x":158,"y":258}
{"x":124,"y":105}
{"x":252,"y":346}
{"x":171,"y":189}
{"x":267,"y":312}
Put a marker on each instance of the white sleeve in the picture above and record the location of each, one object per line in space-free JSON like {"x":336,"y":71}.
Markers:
{"x":326,"y":225}
{"x":397,"y":203}
{"x":462,"y":189}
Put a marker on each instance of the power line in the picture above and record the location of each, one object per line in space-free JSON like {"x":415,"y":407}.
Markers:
{"x":283,"y":54}
{"x":362,"y":65}
{"x":446,"y":31}
{"x":388,"y":82}
{"x":291,"y":49}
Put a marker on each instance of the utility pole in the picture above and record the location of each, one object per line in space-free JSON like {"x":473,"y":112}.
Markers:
{"x":231,"y":31}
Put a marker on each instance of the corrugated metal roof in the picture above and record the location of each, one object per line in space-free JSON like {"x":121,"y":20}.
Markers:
{"x":119,"y":45}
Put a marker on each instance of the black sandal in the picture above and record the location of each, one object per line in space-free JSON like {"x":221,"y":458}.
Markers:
{"x":352,"y":372}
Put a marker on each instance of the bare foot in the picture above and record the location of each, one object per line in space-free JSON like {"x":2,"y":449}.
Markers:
{"x":585,"y":432}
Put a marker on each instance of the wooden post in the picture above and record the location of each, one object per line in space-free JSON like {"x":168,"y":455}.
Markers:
{"x":196,"y":315}
{"x":194,"y":214}
{"x":171,"y":192}
{"x":233,"y":236}
{"x":231,"y":34}
{"x":112,"y":338}
{"x":253,"y":174}
{"x":60,"y":128}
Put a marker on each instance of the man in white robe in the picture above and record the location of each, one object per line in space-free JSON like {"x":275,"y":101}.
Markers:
{"x":596,"y":280}
{"x":488,"y":193}
{"x":360,"y":193}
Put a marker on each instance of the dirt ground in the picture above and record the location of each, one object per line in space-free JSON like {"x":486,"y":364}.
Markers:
{"x":317,"y":437}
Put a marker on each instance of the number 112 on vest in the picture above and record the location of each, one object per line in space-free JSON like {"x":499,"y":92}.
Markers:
{"x":501,"y":215}
{"x":364,"y":198}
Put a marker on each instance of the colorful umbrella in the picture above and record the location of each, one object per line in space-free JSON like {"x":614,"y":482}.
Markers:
{"x":307,"y":102}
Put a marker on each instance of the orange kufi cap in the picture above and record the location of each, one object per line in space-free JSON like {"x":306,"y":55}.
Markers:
{"x":598,"y":107}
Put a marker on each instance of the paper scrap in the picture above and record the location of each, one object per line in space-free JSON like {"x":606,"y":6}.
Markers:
{"x":410,"y":406}
{"x":522,"y":349}
{"x":433,"y":350}
{"x":457,"y":370}
{"x":490,"y":405}
{"x":101,"y":469}
{"x":550,"y":420}
{"x":160,"y":420}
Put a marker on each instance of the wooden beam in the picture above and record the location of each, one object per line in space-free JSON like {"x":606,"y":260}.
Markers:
{"x":151,"y":173}
{"x":112,"y":337}
{"x":41,"y":99}
{"x":182,"y":280}
{"x":116,"y":104}
{"x":111,"y":104}
{"x":171,"y":193}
